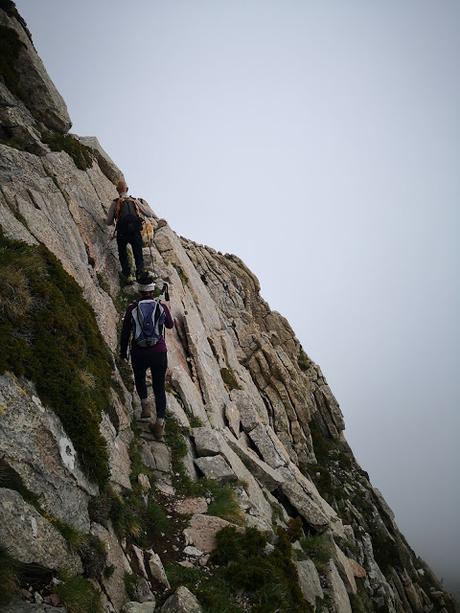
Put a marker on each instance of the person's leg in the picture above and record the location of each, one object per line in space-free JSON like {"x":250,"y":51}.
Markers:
{"x":136,"y":244}
{"x":123,"y":255}
{"x":140,"y":370}
{"x":159,"y":365}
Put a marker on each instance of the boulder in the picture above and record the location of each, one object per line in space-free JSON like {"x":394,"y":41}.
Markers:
{"x":182,"y":601}
{"x":202,"y":531}
{"x":157,"y":569}
{"x":30,"y":539}
{"x":206,"y":442}
{"x":215,"y":467}
{"x":156,"y":455}
{"x":269,"y":446}
{"x":264,"y":473}
{"x":142,"y":591}
{"x":250,"y":411}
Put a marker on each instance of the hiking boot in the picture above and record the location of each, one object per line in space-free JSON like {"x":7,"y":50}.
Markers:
{"x":146,"y":412}
{"x":158,"y":428}
{"x":130,"y":279}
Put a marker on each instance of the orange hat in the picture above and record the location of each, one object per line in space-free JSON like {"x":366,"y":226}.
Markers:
{"x":122,"y":186}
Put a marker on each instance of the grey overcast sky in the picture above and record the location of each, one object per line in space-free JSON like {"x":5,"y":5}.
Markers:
{"x":319,"y":141}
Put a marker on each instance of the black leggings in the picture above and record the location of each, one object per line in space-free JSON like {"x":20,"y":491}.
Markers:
{"x":158,"y":363}
{"x":135,"y":240}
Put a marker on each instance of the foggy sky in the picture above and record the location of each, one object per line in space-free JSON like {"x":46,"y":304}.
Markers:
{"x":319,"y":141}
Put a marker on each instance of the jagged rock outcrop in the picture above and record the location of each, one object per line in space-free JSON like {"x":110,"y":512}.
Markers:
{"x":255,"y":453}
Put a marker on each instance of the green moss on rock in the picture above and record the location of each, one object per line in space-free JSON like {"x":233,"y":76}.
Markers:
{"x":244,"y":576}
{"x":79,"y":596}
{"x":49,"y":335}
{"x":228,"y":377}
{"x":82,"y":155}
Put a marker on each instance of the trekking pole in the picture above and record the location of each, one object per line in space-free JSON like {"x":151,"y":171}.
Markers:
{"x":151,"y":254}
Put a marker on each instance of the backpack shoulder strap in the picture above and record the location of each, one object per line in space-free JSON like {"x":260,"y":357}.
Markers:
{"x":137,"y":208}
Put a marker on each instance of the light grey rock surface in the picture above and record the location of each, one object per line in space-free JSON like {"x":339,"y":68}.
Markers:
{"x":206,"y":442}
{"x":41,"y":96}
{"x":34,"y":444}
{"x":157,"y":569}
{"x":182,"y":601}
{"x":337,"y":590}
{"x":264,"y":473}
{"x":309,"y":581}
{"x":215,"y":467}
{"x":114,"y":586}
{"x":30,"y":539}
{"x":202,"y":531}
{"x":156,"y":455}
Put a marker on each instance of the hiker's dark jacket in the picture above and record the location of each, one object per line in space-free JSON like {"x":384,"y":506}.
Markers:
{"x":127,"y":328}
{"x":142,"y":204}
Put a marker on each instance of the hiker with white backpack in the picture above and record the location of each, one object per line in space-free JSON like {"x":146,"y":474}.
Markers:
{"x":144,"y":322}
{"x":129,"y":215}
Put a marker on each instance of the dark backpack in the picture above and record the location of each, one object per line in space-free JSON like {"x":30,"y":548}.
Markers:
{"x":128,"y":217}
{"x":148,"y":318}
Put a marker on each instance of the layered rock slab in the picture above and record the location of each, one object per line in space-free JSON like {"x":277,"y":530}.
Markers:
{"x":32,"y":539}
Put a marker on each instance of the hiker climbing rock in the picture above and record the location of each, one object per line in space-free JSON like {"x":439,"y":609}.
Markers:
{"x":128,"y":213}
{"x":144,"y":322}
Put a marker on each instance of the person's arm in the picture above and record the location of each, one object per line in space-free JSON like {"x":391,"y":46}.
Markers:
{"x":169,"y":321}
{"x":111,"y":214}
{"x":125,"y":333}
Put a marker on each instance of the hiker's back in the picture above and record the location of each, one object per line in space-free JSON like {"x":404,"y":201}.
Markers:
{"x":127,"y":217}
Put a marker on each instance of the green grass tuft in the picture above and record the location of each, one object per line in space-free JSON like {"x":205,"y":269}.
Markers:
{"x":82,"y":155}
{"x":244,"y":577}
{"x":318,"y":548}
{"x":91,"y":550}
{"x":224,"y":503}
{"x":228,"y":377}
{"x":79,"y":596}
{"x":303,"y":361}
{"x":52,"y":339}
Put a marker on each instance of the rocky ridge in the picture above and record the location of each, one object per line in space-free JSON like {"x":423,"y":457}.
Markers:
{"x":254,"y":475}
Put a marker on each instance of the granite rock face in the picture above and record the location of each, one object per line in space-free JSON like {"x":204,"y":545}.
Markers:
{"x":30,"y":539}
{"x":251,"y":409}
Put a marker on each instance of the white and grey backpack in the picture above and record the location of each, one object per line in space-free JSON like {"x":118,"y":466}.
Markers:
{"x":148,"y":318}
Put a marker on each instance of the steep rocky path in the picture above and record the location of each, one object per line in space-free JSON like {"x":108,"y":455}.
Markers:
{"x":253,"y":501}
